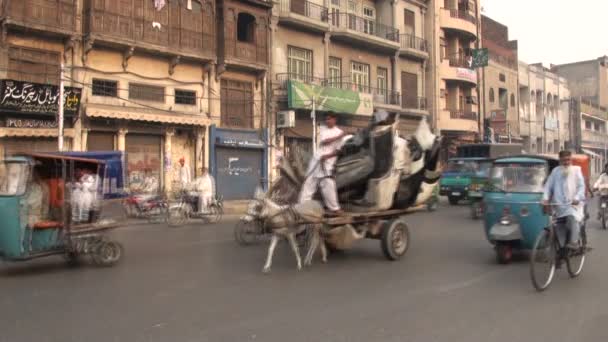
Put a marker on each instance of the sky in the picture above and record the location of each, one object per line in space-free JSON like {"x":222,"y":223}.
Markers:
{"x":553,"y":31}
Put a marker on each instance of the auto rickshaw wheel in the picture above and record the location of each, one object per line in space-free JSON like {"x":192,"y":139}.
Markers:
{"x":108,"y":253}
{"x":72,"y":259}
{"x":395,"y":240}
{"x":504,"y":253}
{"x":453,"y":200}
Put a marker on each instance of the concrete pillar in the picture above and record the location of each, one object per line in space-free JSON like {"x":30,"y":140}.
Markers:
{"x":84,"y":137}
{"x":326,"y":41}
{"x":121,"y":139}
{"x":206,"y":147}
{"x":214,"y":94}
{"x":395,"y":71}
{"x":199,"y":152}
{"x":169,"y":133}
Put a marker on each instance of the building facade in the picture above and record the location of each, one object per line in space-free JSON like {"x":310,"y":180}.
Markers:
{"x":454,"y":31}
{"x":500,"y":87}
{"x":588,"y":80}
{"x":544,"y":113}
{"x":356,"y":56}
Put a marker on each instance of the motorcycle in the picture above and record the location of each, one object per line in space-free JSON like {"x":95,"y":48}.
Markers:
{"x":603,"y":214}
{"x":153,"y":208}
{"x":186,"y":207}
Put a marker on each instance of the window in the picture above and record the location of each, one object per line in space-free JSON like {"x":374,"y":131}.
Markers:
{"x":360,"y":77}
{"x":587,"y":125}
{"x":369,"y":20}
{"x":299,"y":64}
{"x":33,"y":65}
{"x":596,"y":127}
{"x":185,"y":97}
{"x":502,"y":78}
{"x":443,"y":46}
{"x":382,"y":81}
{"x":105,"y":88}
{"x":352,"y":6}
{"x":368,"y":12}
{"x":146,"y":92}
{"x":237,"y":104}
{"x":246,"y":28}
{"x":491,"y":95}
{"x":409,"y":22}
{"x":512,"y":100}
{"x":335,"y":72}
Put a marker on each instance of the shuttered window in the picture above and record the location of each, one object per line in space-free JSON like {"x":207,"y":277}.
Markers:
{"x":146,"y":92}
{"x":33,"y":65}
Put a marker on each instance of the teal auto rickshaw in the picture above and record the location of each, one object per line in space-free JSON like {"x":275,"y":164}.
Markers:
{"x":38,"y":193}
{"x":513,"y":214}
{"x":456,"y":178}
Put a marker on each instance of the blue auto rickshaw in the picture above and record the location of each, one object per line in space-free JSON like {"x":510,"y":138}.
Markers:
{"x":513,"y":214}
{"x":36,"y":200}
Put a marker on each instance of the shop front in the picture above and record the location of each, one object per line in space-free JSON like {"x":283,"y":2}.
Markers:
{"x":238,"y":161}
{"x":28,"y":114}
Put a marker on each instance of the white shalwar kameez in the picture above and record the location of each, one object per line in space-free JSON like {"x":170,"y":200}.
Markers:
{"x":319,"y":174}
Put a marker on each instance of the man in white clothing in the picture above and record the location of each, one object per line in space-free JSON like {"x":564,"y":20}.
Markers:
{"x":321,"y":166}
{"x":184,"y":174}
{"x":203,"y":188}
{"x":601,"y":185}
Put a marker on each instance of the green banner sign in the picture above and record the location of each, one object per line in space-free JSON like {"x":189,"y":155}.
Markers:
{"x":300,"y":96}
{"x":480,"y":58}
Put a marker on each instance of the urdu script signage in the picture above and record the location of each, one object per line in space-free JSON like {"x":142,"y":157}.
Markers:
{"x":35,"y":98}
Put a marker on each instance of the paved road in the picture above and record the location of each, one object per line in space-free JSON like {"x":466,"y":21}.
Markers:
{"x":196,"y":284}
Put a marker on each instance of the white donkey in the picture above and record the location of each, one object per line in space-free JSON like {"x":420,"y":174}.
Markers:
{"x":288,"y":221}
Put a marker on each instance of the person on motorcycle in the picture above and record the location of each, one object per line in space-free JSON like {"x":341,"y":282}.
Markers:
{"x":321,"y":166}
{"x":566,"y":188}
{"x":601,"y":184}
{"x":203,"y":188}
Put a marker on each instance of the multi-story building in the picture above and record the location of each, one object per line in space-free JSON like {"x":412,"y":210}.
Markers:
{"x":544,"y":114}
{"x":350,"y":57}
{"x":454,"y":30}
{"x":589,"y":130}
{"x":500,"y":89}
{"x":588,"y":80}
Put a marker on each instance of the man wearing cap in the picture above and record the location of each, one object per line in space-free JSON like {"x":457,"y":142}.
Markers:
{"x":321,"y":166}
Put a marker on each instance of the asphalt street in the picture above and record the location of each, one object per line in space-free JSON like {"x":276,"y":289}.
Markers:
{"x":195,"y":283}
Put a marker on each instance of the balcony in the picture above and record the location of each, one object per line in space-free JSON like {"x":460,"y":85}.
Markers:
{"x":350,"y":28}
{"x":594,"y":138}
{"x":246,"y":54}
{"x":412,"y":46}
{"x":161,"y":33}
{"x":48,"y":16}
{"x":415,"y":103}
{"x":459,"y":21}
{"x":304,"y":15}
{"x":458,"y":120}
{"x":456,"y":68}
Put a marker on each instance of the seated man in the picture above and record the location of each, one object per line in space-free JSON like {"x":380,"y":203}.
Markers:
{"x":565,"y":187}
{"x":203,"y":188}
{"x":37,"y":199}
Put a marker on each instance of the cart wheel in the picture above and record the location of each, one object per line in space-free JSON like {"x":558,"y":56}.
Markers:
{"x":395,"y":239}
{"x":504,"y":253}
{"x":247,"y":232}
{"x":215,"y":214}
{"x":108,"y":253}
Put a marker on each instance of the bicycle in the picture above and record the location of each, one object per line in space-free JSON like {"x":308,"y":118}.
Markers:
{"x":548,"y":251}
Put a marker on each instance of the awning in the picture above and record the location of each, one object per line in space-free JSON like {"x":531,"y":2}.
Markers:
{"x":593,"y":154}
{"x":35,"y":132}
{"x":125,"y":113}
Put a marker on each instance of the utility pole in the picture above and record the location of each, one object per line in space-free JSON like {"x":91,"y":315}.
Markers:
{"x":313,"y":116}
{"x":60,"y":110}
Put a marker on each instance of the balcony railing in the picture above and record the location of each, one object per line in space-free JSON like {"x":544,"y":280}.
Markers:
{"x":460,"y":60}
{"x":248,"y":52}
{"x":284,"y":77}
{"x":414,"y":102}
{"x":464,"y":15}
{"x":48,"y":13}
{"x":129,"y":28}
{"x":304,"y":8}
{"x":462,"y":114}
{"x":412,"y":42}
{"x":365,"y":25}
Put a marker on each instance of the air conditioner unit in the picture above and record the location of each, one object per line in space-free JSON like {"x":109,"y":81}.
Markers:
{"x":286,"y":119}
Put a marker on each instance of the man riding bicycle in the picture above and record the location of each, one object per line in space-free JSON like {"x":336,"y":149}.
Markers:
{"x":565,"y":187}
{"x":601,"y":185}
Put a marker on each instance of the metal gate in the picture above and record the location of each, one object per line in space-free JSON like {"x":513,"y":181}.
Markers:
{"x":239,"y":172}
{"x":14,"y":145}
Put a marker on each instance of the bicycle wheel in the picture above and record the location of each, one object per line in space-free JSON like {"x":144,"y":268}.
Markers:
{"x":177,"y":216}
{"x":542,"y":260}
{"x":576,"y":259}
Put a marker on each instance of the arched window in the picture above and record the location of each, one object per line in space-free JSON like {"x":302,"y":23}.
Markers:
{"x":491,"y":95}
{"x":246,"y":28}
{"x":532,"y":96}
{"x":549,"y":99}
{"x":512,"y":100}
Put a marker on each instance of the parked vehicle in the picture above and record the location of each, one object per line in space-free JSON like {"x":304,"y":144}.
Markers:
{"x":36,"y":202}
{"x":186,"y":207}
{"x":154,"y":208}
{"x":456,"y":178}
{"x":603,"y":214}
